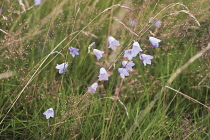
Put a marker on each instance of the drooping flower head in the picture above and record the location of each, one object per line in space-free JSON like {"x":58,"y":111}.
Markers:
{"x":37,"y":2}
{"x":92,"y":88}
{"x":154,"y":41}
{"x":136,"y":47}
{"x":49,"y":113}
{"x":113,"y":42}
{"x":128,"y":65}
{"x":103,"y":75}
{"x":92,"y":44}
{"x":130,"y":53}
{"x":73,"y":51}
{"x":146,"y":59}
{"x":157,"y":23}
{"x":62,"y":67}
{"x":98,"y":53}
{"x":123,"y":72}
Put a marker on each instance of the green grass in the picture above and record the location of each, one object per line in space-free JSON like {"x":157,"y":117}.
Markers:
{"x":30,"y":50}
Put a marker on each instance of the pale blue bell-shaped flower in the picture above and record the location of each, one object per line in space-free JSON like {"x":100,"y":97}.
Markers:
{"x":128,"y":65}
{"x":103,"y":75}
{"x":37,"y":2}
{"x":154,"y":41}
{"x":62,"y":67}
{"x":98,"y":53}
{"x":49,"y":113}
{"x":136,"y":47}
{"x":146,"y":59}
{"x":133,"y":23}
{"x":157,"y":23}
{"x":73,"y":51}
{"x":92,"y":88}
{"x":113,"y":42}
{"x":130,"y":53}
{"x":123,"y":72}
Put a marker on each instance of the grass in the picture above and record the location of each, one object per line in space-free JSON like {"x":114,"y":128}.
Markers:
{"x":138,"y":107}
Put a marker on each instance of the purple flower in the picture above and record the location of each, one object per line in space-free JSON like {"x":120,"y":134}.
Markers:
{"x":133,"y":23}
{"x":37,"y":2}
{"x":0,"y":10}
{"x":49,"y":113}
{"x":92,"y":88}
{"x":123,"y":72}
{"x":136,"y":48}
{"x":157,"y":24}
{"x":98,"y":53}
{"x":146,"y":59}
{"x":103,"y":75}
{"x":73,"y":51}
{"x":124,"y":63}
{"x":154,"y":41}
{"x":62,"y":67}
{"x":128,"y":65}
{"x":113,"y":42}
{"x":130,"y":53}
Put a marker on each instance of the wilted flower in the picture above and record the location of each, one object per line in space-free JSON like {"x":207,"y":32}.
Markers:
{"x":123,"y":72}
{"x":128,"y":65}
{"x":62,"y":67}
{"x":73,"y":51}
{"x":103,"y":75}
{"x":157,"y":24}
{"x":113,"y":42}
{"x":49,"y":113}
{"x":92,"y":88}
{"x":37,"y":2}
{"x":146,"y":59}
{"x":154,"y":41}
{"x":136,"y":48}
{"x":130,"y":53}
{"x":133,"y":23}
{"x":98,"y":53}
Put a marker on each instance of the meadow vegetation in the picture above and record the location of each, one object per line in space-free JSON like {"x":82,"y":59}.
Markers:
{"x":169,"y":99}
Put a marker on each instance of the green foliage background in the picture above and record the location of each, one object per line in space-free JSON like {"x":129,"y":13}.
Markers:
{"x":30,"y":47}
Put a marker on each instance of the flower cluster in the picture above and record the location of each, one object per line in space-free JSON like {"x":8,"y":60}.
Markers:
{"x":130,"y":53}
{"x":128,"y":67}
{"x":103,"y":75}
{"x":128,"y":64}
